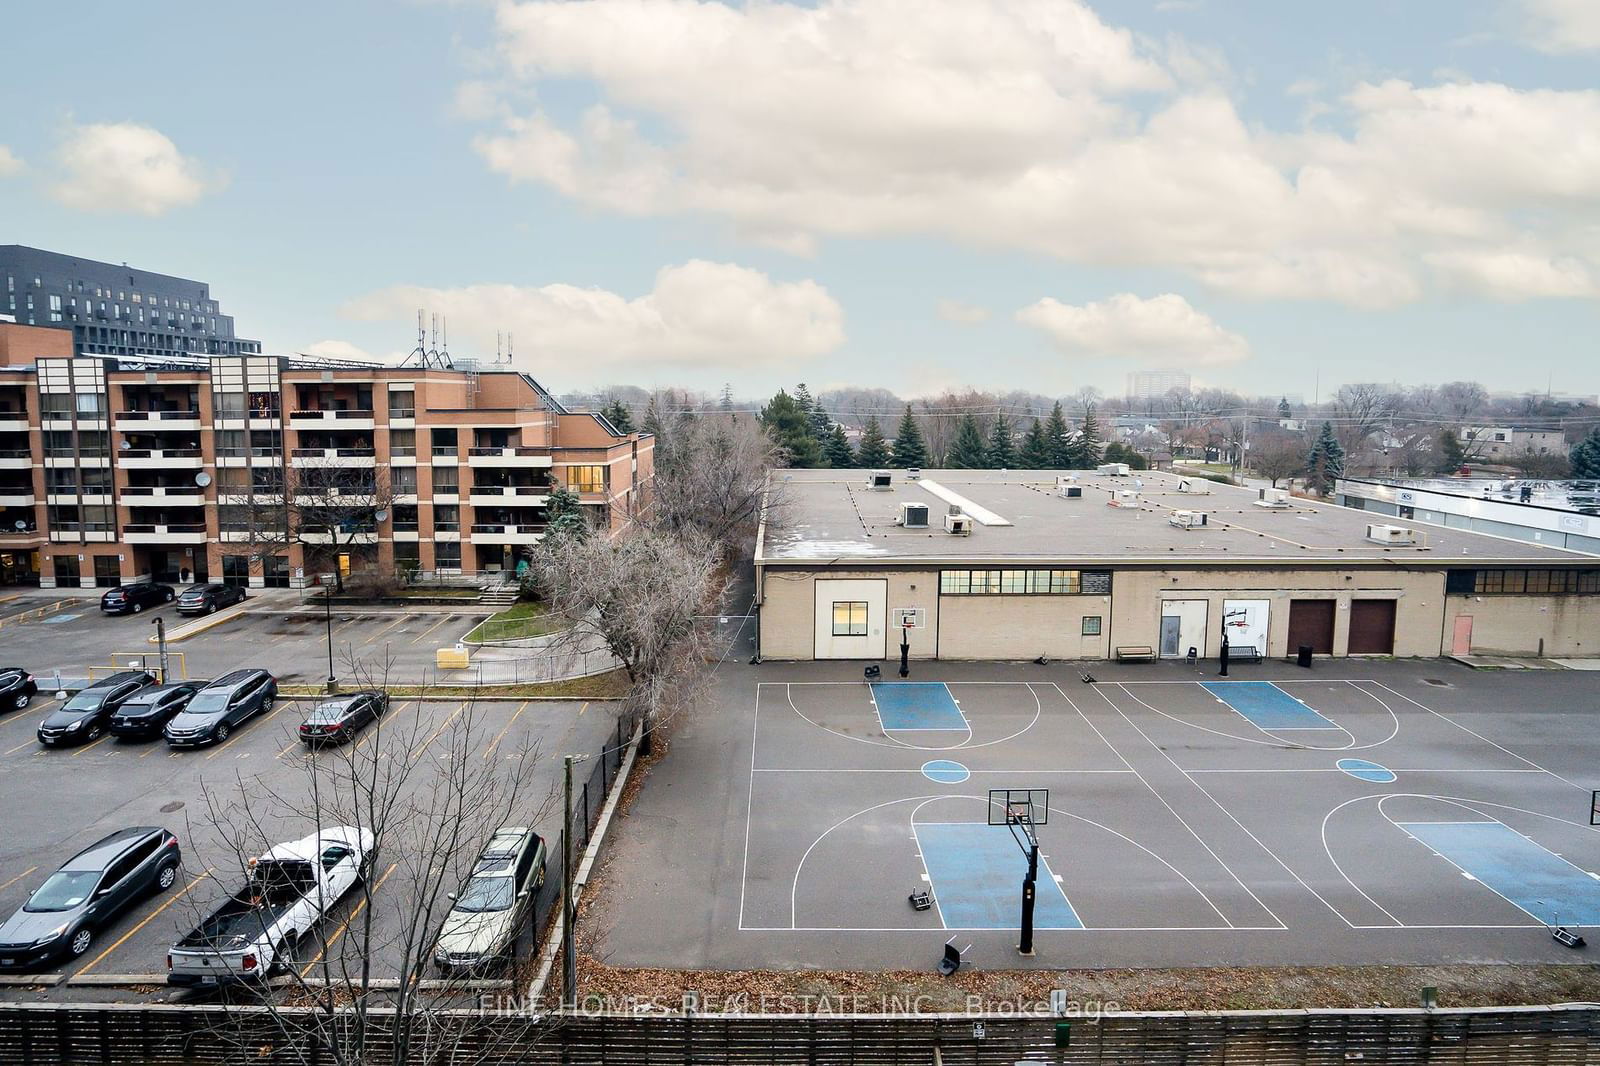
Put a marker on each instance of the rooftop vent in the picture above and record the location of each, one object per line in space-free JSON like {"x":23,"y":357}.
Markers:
{"x":1070,"y":492}
{"x":1278,"y":498}
{"x":1123,"y":498}
{"x":1112,"y":469}
{"x":1187,"y":519}
{"x":1197,"y":486}
{"x":913,"y":473}
{"x":958,"y":524}
{"x":1393,"y":535}
{"x":914,"y":515}
{"x":880,"y":481}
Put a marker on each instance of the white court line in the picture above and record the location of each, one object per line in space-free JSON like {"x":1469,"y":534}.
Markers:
{"x":749,"y":805}
{"x":1055,"y":929}
{"x":1480,"y":736}
{"x":927,"y":874}
{"x":1329,"y":681}
{"x":1447,"y":821}
{"x":1273,"y":742}
{"x":1071,"y":703}
{"x":1336,"y":770}
{"x":890,"y":742}
{"x":918,"y":770}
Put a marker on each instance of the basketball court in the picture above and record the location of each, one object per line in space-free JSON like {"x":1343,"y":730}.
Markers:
{"x":1188,"y":820}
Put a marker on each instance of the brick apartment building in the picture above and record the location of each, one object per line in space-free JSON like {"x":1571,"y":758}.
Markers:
{"x":118,"y":468}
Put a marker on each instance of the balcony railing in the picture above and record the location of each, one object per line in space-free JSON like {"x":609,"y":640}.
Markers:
{"x":508,"y":527}
{"x":506,"y":450}
{"x":401,"y":451}
{"x":321,"y":413}
{"x":511,"y":490}
{"x":15,"y":453}
{"x":406,"y":527}
{"x":198,"y":527}
{"x":330,"y":453}
{"x":402,"y":412}
{"x":162,"y":416}
{"x":157,"y":453}
{"x":444,"y":449}
{"x":447,"y":527}
{"x":164,"y":490}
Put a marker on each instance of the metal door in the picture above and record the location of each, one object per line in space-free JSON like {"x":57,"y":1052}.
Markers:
{"x":1171,"y":631}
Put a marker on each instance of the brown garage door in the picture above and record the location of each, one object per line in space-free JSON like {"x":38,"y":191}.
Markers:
{"x":1311,"y":622}
{"x":1372,"y":627}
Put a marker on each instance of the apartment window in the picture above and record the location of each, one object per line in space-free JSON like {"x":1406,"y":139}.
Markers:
{"x":230,"y":442}
{"x":1535,"y":582}
{"x":94,"y":445}
{"x":445,"y":480}
{"x":404,"y":480}
{"x":61,"y":481}
{"x":91,"y":404}
{"x":446,"y":518}
{"x":96,"y":479}
{"x":402,"y":442}
{"x":233,"y":481}
{"x":586,"y":478}
{"x":233,"y":518}
{"x":266,"y":480}
{"x":136,"y":298}
{"x":405,"y":518}
{"x":230,"y":405}
{"x":99,"y":518}
{"x":447,"y":555}
{"x":55,"y":302}
{"x":444,"y":441}
{"x":1091,"y":625}
{"x":266,"y":442}
{"x":850,"y":618}
{"x":402,"y":404}
{"x":58,"y":443}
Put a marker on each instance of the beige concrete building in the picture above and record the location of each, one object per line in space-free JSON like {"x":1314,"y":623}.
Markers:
{"x":1016,"y":565}
{"x":119,"y":468}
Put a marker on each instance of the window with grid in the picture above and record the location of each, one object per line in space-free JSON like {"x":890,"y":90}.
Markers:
{"x":1091,"y":625}
{"x":849,"y":618}
{"x":445,"y":480}
{"x":586,"y":478}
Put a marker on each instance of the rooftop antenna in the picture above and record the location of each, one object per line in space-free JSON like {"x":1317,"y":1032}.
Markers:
{"x":444,"y":349}
{"x":422,"y":355}
{"x":499,"y":342}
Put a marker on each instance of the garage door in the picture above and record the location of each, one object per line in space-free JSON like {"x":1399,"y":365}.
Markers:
{"x":1372,"y":627}
{"x":1311,"y":622}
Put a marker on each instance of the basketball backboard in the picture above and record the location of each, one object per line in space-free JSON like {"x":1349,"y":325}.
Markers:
{"x":1009,"y":806}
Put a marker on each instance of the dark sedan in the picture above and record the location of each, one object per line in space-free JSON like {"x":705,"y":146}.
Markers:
{"x":148,"y":710}
{"x":131,"y":599}
{"x":207,"y":599}
{"x":68,"y":911}
{"x":88,"y":714}
{"x":17,"y":688}
{"x":336,"y":721}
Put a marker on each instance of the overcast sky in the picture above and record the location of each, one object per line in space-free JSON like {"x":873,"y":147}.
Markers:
{"x":1037,"y":194}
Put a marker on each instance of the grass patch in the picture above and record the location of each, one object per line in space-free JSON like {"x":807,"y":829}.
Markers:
{"x":518,"y":621}
{"x":607,"y":686}
{"x":447,"y":592}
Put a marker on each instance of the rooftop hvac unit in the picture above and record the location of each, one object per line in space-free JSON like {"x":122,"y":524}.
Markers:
{"x":1123,"y":498}
{"x":880,"y":481}
{"x":1070,"y":492}
{"x":1187,"y":519}
{"x":1273,"y":498}
{"x":914,"y":515}
{"x":1197,"y":486}
{"x":1112,"y":469}
{"x":958,"y":524}
{"x":1391,"y":534}
{"x":913,"y":473}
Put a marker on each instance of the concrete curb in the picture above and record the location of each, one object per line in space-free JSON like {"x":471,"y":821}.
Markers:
{"x":116,"y":980}
{"x":200,"y":625}
{"x":23,"y":980}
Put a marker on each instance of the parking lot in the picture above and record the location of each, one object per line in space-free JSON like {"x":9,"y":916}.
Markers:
{"x":227,"y":801}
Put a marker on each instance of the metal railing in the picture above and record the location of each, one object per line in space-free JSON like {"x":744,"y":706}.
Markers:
{"x":511,"y":490}
{"x":194,"y":527}
{"x":162,"y":416}
{"x":159,"y":453}
{"x":321,"y":413}
{"x":507,"y":527}
{"x":508,"y":450}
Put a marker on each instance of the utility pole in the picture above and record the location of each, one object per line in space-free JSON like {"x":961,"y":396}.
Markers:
{"x":569,"y":913}
{"x":161,"y":646}
{"x":327,"y":612}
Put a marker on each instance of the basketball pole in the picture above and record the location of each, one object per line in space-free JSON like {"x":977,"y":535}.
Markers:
{"x":1224,"y":671}
{"x":1026,"y":946}
{"x":905,"y":651}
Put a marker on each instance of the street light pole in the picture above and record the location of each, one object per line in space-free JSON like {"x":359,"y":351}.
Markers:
{"x":327,"y":610}
{"x":569,"y":913}
{"x":161,"y":647}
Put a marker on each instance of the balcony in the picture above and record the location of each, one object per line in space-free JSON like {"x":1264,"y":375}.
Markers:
{"x":407,"y":531}
{"x":332,"y":419}
{"x":157,"y":421}
{"x":168,"y":495}
{"x":359,"y":537}
{"x":70,"y":532}
{"x":13,"y":422}
{"x":503,"y":534}
{"x":513,"y":457}
{"x":160,"y":458}
{"x":150,"y":534}
{"x":361,"y":457}
{"x":16,"y":459}
{"x":402,"y":417}
{"x":16,"y":497}
{"x":509,"y":495}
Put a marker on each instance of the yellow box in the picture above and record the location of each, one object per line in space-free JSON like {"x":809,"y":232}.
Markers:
{"x":451,"y":658}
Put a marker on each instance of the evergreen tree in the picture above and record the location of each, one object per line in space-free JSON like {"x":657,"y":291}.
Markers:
{"x":1325,"y":462}
{"x":1002,"y":452}
{"x":1055,"y":433}
{"x":968,"y":451}
{"x":1035,"y":454}
{"x":1585,"y":456}
{"x":836,"y":449}
{"x":726,"y":400}
{"x":909,"y":447}
{"x":873,"y":452}
{"x":802,"y":396}
{"x":564,"y":514}
{"x":821,"y":424}
{"x":1451,"y":454}
{"x":1284,"y":410}
{"x":1117,"y":452}
{"x":790,"y":427}
{"x":619,"y":415}
{"x":1086,"y":447}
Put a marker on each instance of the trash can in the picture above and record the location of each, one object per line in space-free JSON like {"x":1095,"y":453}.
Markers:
{"x":1303,"y":657}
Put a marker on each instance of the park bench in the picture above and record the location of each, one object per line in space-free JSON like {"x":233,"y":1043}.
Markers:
{"x":1136,"y":653}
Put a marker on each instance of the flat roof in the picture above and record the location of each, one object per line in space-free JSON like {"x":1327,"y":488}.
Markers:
{"x":829,"y":517}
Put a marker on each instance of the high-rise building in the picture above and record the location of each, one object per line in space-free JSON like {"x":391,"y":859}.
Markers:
{"x":115,"y":310}
{"x":1149,"y":385}
{"x":120,"y":468}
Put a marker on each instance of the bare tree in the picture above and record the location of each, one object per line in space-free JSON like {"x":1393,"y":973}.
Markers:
{"x":1361,"y":411}
{"x":327,"y":506}
{"x":715,"y":481}
{"x":1277,"y":457}
{"x":1461,"y":400}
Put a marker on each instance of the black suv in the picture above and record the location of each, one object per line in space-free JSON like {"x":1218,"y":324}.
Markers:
{"x":17,"y":688}
{"x":205,"y":599}
{"x":88,"y":714}
{"x":78,"y":900}
{"x":147,"y":711}
{"x":131,"y":599}
{"x":221,"y":706}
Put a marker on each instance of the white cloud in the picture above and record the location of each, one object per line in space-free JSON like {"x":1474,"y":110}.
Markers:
{"x":1162,"y":329}
{"x":1034,"y":125}
{"x":126,"y":167}
{"x":337,"y":349}
{"x":699,"y":314}
{"x":1562,"y":25}
{"x":10,"y":165}
{"x":962,"y":313}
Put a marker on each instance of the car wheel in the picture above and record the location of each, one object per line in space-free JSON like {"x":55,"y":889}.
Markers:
{"x":211,"y":608}
{"x":22,"y":700}
{"x":222,"y":733}
{"x":168,"y":596}
{"x":164,"y":879}
{"x":91,"y":733}
{"x":138,"y":607}
{"x":80,"y":942}
{"x":266,"y":705}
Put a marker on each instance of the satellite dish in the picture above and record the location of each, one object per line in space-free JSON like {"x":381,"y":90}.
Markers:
{"x":380,"y":515}
{"x":21,"y":524}
{"x":202,"y":479}
{"x":125,"y":445}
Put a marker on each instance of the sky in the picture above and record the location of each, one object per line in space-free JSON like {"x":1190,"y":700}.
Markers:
{"x":908,"y":194}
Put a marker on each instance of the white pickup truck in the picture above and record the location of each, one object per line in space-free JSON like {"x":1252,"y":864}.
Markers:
{"x":290,"y":889}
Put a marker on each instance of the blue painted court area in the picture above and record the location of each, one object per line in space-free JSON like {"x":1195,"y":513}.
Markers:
{"x":1540,"y":882}
{"x":1267,"y":706}
{"x":977,"y":872}
{"x":917,"y":705}
{"x":1366,"y":770}
{"x":945,"y":771}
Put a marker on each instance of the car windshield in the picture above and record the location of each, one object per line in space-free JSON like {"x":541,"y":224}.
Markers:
{"x":486,"y":894}
{"x":65,"y":889}
{"x":330,"y":712}
{"x":85,"y":701}
{"x":208,"y":703}
{"x":140,"y":702}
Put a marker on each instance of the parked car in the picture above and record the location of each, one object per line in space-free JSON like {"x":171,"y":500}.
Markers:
{"x":17,"y":688}
{"x":145,"y":712}
{"x":221,"y":707}
{"x":289,"y":890}
{"x":207,"y":599}
{"x":491,"y":910}
{"x":336,"y":721}
{"x":63,"y":917}
{"x":88,"y":714}
{"x":131,"y":599}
